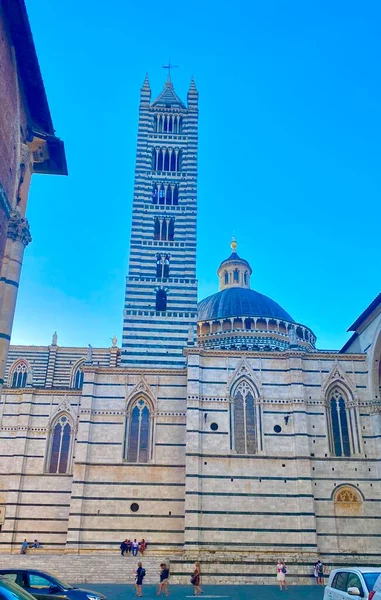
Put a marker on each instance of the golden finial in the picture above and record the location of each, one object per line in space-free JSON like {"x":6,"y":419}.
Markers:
{"x":233,"y":244}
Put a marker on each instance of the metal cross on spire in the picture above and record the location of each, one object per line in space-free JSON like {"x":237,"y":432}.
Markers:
{"x":169,"y":67}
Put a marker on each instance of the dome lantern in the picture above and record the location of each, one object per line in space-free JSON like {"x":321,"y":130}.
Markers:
{"x":234,"y":271}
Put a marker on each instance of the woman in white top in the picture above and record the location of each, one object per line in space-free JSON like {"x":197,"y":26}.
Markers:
{"x":281,"y":574}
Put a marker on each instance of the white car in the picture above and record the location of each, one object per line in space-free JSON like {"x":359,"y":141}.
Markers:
{"x":347,"y":582}
{"x":376,"y":593}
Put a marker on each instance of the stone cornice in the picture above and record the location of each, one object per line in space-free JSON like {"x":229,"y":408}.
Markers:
{"x":287,"y":354}
{"x":32,"y":391}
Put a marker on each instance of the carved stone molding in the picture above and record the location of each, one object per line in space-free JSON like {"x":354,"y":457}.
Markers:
{"x":18,"y":229}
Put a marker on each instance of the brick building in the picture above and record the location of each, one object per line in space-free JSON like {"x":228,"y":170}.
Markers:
{"x":27,"y":145}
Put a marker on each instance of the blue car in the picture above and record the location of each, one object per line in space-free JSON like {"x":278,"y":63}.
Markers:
{"x":44,"y":586}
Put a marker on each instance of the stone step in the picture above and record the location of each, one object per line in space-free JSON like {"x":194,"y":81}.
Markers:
{"x":216,"y":569}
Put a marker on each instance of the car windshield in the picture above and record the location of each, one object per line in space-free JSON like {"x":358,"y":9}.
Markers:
{"x":56,"y":581}
{"x":370,"y":579}
{"x":11,"y":591}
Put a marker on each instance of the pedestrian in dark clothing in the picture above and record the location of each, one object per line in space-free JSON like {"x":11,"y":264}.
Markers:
{"x":123,"y":547}
{"x":140,"y":574}
{"x":164,"y":575}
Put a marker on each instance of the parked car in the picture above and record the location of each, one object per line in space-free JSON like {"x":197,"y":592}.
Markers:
{"x":375,"y":594}
{"x":352,"y":581}
{"x":12,"y":591}
{"x":44,"y":586}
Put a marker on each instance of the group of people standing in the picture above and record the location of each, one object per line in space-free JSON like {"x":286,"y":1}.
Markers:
{"x":140,"y":573}
{"x":133,"y":547}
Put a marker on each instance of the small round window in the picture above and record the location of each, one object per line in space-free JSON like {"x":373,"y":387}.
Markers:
{"x":134,"y":507}
{"x":277,"y":428}
{"x":214,"y":426}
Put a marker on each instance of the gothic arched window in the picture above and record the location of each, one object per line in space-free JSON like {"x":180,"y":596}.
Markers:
{"x":162,"y":194}
{"x":175,"y":197}
{"x":168,"y":196}
{"x":171,"y":230}
{"x":78,"y":379}
{"x":166,"y":266}
{"x":19,"y":375}
{"x":161,"y":300}
{"x":342,"y":425}
{"x":60,"y":446}
{"x":244,"y":419}
{"x":178,"y":161}
{"x":154,"y":194}
{"x":138,"y":433}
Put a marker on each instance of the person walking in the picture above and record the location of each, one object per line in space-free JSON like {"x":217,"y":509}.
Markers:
{"x":164,"y":576}
{"x":196,"y":579}
{"x":139,"y":576}
{"x":123,"y":547}
{"x":135,"y":547}
{"x":281,"y":572}
{"x":24,"y":547}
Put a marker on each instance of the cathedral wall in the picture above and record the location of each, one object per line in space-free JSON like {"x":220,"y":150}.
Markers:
{"x":269,"y":500}
{"x":105,"y":485}
{"x":37,"y":502}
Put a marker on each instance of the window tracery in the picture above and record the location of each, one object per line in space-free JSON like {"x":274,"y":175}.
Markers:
{"x":138,"y":432}
{"x":19,"y":375}
{"x":245,"y":419}
{"x":61,"y":440}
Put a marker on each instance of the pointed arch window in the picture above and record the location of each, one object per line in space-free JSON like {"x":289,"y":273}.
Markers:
{"x":246,"y":420}
{"x":138,"y":441}
{"x":344,"y":439}
{"x":161,"y":300}
{"x":60,"y":445}
{"x":19,"y":375}
{"x":175,"y":197}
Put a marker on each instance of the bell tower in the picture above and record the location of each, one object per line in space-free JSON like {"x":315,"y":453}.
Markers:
{"x":161,"y":290}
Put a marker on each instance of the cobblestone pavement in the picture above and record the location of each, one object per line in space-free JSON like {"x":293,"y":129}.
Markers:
{"x":214,"y":592}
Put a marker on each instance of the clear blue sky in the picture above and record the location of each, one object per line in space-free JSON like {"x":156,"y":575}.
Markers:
{"x":289,"y":159}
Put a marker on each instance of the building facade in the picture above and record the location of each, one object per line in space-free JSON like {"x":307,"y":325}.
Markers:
{"x":27,"y":145}
{"x":237,"y":438}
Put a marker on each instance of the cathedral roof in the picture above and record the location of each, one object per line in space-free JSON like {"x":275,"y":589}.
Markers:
{"x":240,"y":302}
{"x":168,"y":96}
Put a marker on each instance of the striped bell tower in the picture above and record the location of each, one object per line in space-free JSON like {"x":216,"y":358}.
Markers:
{"x":160,"y":311}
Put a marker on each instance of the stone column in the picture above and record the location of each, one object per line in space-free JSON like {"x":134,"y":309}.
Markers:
{"x":18,"y":237}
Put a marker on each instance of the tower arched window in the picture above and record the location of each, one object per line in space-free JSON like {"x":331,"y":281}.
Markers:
{"x":78,"y":379}
{"x":162,"y":194}
{"x":175,"y":195}
{"x":245,"y":277}
{"x":60,"y":449}
{"x":160,"y":160}
{"x":161,"y":300}
{"x":226,"y":277}
{"x":179,"y":160}
{"x":171,"y":230}
{"x":168,"y":195}
{"x":19,"y":375}
{"x":166,"y":266}
{"x":343,"y":428}
{"x":173,"y":161}
{"x":236,"y":276}
{"x":245,"y":419}
{"x":138,"y":441}
{"x":156,"y":229}
{"x":166,"y":160}
{"x":154,"y":194}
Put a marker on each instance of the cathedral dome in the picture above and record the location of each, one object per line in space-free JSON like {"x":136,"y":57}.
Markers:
{"x":240,"y":318}
{"x":237,"y":302}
